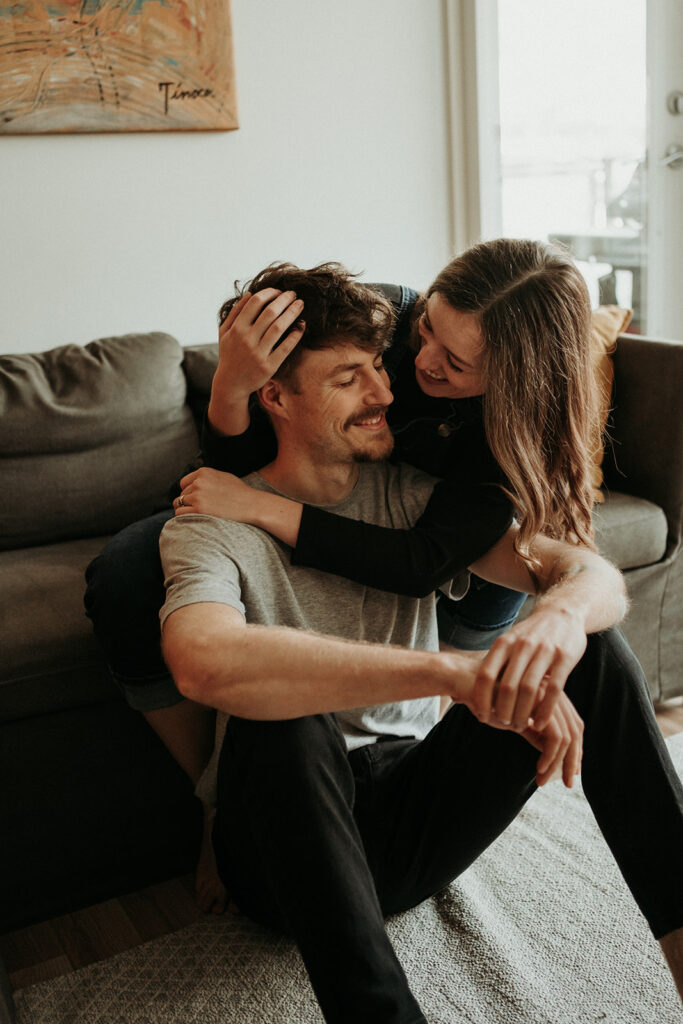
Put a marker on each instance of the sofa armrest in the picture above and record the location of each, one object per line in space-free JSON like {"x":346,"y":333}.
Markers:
{"x":645,"y":457}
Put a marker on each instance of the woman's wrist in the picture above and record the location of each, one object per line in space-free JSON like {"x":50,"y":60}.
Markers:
{"x":228,"y":411}
{"x":278,"y":515}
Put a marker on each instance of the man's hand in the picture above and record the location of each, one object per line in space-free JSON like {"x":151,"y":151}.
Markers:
{"x":527,"y":668}
{"x":250,"y":352}
{"x":524,"y":673}
{"x":560,"y":742}
{"x":213,"y":493}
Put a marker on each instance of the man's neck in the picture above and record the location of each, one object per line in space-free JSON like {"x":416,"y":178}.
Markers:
{"x":303,"y":480}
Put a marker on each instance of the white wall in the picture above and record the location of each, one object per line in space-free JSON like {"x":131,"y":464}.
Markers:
{"x":341,"y":154}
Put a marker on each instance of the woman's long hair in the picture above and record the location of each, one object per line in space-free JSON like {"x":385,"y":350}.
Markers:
{"x":540,"y":403}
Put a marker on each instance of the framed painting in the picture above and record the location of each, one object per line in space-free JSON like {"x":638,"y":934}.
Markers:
{"x":116,"y":66}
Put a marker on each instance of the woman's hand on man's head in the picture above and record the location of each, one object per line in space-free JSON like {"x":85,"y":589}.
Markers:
{"x":250,"y":352}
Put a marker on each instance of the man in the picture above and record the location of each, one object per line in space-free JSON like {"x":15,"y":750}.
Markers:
{"x":341,"y":797}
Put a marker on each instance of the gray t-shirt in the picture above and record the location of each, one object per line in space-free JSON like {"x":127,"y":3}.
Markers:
{"x":211,"y":559}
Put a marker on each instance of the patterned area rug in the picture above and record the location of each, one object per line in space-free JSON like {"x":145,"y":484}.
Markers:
{"x":541,"y":930}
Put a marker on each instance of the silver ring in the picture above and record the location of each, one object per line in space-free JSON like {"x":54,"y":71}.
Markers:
{"x":180,"y":501}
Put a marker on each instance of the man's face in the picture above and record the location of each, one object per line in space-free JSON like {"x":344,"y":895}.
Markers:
{"x":337,"y":403}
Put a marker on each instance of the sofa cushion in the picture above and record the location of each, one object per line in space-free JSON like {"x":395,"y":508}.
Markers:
{"x":630,"y":531}
{"x":50,"y":657}
{"x":199,"y":364}
{"x":92,"y":438}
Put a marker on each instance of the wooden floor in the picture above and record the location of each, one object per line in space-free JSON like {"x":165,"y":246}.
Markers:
{"x":64,"y":944}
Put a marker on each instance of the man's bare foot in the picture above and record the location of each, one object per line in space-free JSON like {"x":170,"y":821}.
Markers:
{"x":209,"y":890}
{"x":672,"y":948}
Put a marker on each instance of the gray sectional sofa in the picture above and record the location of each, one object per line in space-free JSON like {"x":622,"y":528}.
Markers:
{"x":91,"y":439}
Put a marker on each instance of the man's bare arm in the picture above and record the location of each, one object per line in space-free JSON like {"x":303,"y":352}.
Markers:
{"x":264,"y":672}
{"x":271,"y":672}
{"x":527,"y":668}
{"x":572,"y":578}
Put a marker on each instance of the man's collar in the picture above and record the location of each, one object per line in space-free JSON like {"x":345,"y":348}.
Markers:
{"x":311,"y":486}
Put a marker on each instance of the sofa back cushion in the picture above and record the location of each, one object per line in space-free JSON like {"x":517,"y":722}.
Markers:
{"x":92,"y":437}
{"x":199,"y":364}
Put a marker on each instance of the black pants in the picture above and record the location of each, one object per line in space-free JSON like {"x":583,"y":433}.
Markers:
{"x":323,"y":844}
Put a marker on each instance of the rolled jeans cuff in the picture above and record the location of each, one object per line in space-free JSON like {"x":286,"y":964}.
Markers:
{"x":149,"y":693}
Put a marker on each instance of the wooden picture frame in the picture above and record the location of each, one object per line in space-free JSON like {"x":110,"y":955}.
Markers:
{"x":116,"y":66}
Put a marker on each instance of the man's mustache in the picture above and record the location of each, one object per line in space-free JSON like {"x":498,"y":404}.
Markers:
{"x":366,"y":414}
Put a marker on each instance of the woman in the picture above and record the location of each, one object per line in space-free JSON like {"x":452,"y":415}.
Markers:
{"x":492,"y":393}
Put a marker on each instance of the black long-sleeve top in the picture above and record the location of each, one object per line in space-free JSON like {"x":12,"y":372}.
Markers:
{"x":465,"y":516}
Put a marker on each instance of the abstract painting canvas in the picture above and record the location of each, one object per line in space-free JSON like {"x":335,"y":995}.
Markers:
{"x":116,"y":66}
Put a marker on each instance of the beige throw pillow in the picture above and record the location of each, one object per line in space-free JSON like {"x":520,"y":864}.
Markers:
{"x":608,"y":323}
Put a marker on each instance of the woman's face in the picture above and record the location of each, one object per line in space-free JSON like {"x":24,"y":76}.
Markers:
{"x":448,"y":364}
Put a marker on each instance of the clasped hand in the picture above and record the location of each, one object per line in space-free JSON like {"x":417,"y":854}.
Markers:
{"x":560,"y":742}
{"x":524,"y":673}
{"x":213,"y":493}
{"x":559,"y":735}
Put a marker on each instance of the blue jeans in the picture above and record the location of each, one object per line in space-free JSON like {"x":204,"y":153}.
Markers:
{"x":483,"y":614}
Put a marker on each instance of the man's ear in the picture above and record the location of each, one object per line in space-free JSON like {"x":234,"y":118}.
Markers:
{"x":272,"y":398}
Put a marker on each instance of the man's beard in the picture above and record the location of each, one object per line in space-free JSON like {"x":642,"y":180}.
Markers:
{"x":378,"y":448}
{"x":378,"y":455}
{"x":378,"y":451}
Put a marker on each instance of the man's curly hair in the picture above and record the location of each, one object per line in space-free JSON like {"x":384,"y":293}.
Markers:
{"x":337,"y":309}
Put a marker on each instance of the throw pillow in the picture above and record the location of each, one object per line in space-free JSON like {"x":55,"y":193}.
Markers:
{"x":608,"y":323}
